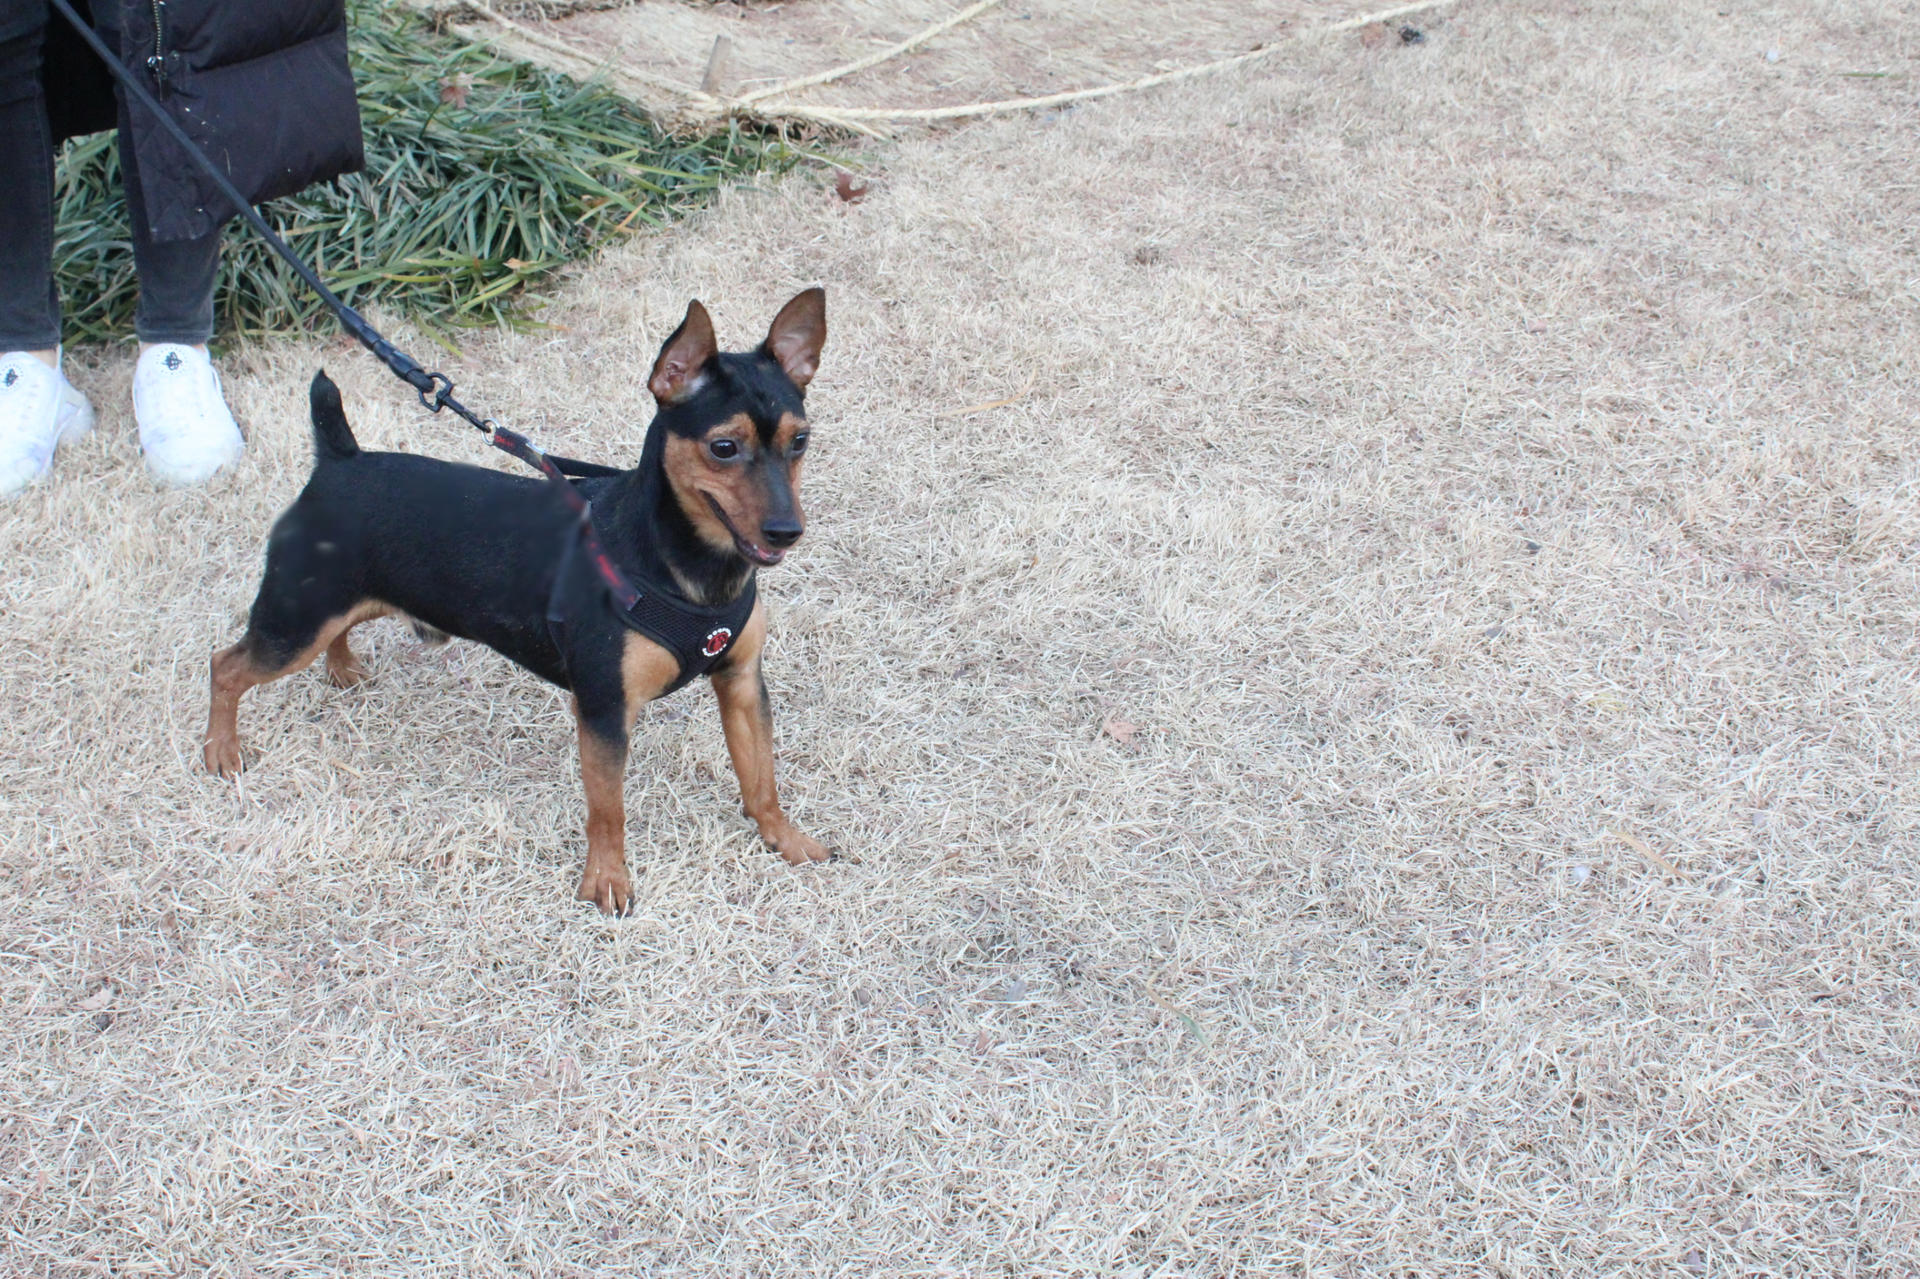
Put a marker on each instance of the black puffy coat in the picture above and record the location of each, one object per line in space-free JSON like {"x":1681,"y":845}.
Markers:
{"x":261,"y":85}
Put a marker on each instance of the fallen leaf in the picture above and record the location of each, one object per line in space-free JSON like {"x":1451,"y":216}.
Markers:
{"x":1375,"y":34}
{"x":97,"y":1000}
{"x":847,"y":189}
{"x":517,"y":264}
{"x":1119,"y":730}
{"x":455,"y":89}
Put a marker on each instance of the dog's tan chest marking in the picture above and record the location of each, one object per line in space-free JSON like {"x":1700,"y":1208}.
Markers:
{"x":645,"y":671}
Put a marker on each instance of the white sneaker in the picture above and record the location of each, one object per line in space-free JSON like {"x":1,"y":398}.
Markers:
{"x":38,"y":411}
{"x":186,"y":431}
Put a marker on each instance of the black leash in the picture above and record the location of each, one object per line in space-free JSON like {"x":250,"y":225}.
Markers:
{"x":435,"y":389}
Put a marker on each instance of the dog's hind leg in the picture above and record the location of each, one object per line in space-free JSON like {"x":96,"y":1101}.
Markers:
{"x":265,"y":653}
{"x":344,"y":669}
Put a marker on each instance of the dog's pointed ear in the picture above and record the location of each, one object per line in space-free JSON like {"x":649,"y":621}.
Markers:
{"x":677,"y":372}
{"x":797,"y":334}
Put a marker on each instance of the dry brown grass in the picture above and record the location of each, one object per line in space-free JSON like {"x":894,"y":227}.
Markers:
{"x":1485,"y":475}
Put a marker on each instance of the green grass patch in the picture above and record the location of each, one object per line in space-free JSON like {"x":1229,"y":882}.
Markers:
{"x":483,"y":175}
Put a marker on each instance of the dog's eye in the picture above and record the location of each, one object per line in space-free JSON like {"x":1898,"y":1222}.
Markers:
{"x":724,"y":449}
{"x":799,"y":444}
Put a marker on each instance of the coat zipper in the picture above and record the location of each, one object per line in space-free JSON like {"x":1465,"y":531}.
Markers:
{"x":157,"y":64}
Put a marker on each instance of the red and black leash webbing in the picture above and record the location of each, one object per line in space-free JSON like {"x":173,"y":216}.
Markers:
{"x":436,"y":385}
{"x":516,"y":444}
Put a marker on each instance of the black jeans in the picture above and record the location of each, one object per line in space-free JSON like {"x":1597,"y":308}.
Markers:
{"x":176,"y":278}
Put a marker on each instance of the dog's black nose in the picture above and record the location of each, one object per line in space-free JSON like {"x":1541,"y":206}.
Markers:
{"x":781,"y":533}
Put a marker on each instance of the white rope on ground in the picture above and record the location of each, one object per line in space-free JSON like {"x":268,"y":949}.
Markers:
{"x":853,"y":115}
{"x":1385,"y":15}
{"x":872,"y":60}
{"x":563,"y":49}
{"x":766,"y":106}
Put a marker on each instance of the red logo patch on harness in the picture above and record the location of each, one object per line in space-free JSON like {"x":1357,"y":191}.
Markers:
{"x":717,"y":642}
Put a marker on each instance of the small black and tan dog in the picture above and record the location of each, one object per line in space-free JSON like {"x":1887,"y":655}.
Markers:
{"x":485,"y":556}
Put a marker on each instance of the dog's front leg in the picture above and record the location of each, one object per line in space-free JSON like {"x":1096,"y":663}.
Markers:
{"x":747,"y":716}
{"x":603,"y":771}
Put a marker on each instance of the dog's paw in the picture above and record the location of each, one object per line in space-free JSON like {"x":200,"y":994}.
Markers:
{"x":606,"y":885}
{"x":223,"y":756}
{"x":797,"y":849}
{"x":347,"y":674}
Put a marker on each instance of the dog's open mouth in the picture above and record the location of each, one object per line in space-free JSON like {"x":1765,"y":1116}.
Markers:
{"x":761,"y":555}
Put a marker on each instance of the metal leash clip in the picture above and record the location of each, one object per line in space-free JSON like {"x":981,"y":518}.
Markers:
{"x":442,"y":387}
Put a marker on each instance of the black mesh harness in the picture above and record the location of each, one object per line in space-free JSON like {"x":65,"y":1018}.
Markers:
{"x":699,"y":637}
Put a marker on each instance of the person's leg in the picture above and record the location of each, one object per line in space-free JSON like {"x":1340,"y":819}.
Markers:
{"x":29,"y":307}
{"x":176,"y":276}
{"x":38,"y":409}
{"x":186,"y":430}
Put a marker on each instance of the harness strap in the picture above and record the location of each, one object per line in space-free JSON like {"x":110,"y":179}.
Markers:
{"x":699,"y":638}
{"x":516,"y":444}
{"x":583,"y":470}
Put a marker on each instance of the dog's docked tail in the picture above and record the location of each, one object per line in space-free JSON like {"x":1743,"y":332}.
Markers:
{"x":332,"y":438}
